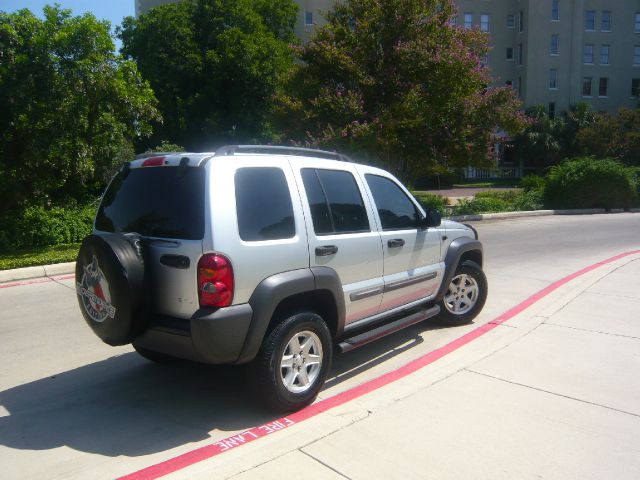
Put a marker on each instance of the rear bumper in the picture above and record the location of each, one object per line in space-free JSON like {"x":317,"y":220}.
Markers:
{"x":214,"y":337}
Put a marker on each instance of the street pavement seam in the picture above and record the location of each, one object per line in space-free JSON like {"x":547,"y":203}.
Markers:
{"x":592,"y":331}
{"x":552,"y":393}
{"x":287,"y":452}
{"x":323,"y":463}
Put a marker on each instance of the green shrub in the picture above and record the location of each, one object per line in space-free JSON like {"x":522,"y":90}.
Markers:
{"x":529,"y":200}
{"x":531,"y":182}
{"x":508,"y":196}
{"x":590,"y":183}
{"x":501,"y":201}
{"x":481,"y":205}
{"x":432,"y":200}
{"x":37,"y":226}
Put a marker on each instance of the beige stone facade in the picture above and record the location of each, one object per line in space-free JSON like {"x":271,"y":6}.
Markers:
{"x":556,"y":53}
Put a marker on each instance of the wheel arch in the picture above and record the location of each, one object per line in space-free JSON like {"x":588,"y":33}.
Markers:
{"x":461,"y":249}
{"x":317,"y":289}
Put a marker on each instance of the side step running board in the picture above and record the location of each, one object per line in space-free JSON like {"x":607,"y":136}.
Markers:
{"x":387,"y":329}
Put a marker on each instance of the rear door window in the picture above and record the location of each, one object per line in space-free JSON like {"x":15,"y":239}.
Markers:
{"x":165,"y":202}
{"x":395,"y":209}
{"x":263,"y":204}
{"x":335,"y":202}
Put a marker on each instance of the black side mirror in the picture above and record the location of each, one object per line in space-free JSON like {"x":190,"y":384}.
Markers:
{"x":433,"y":219}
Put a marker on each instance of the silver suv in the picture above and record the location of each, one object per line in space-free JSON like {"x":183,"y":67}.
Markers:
{"x":271,"y":257}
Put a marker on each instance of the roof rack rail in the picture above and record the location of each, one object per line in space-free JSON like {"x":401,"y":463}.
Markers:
{"x":305,"y":152}
{"x":140,"y":156}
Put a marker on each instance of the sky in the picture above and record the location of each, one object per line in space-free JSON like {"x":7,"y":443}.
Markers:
{"x":112,"y":10}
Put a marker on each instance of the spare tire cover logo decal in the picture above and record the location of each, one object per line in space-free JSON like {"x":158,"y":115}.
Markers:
{"x":94,"y":290}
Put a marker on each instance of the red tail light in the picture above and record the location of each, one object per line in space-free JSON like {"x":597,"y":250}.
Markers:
{"x":215,"y":281}
{"x":153,"y":162}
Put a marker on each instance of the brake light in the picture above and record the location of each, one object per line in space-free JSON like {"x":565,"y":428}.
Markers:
{"x":215,"y":281}
{"x":153,"y":162}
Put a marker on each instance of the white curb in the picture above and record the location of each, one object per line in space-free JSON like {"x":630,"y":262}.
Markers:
{"x":36,"y":272}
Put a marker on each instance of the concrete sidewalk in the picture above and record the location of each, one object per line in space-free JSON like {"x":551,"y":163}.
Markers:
{"x":552,"y":393}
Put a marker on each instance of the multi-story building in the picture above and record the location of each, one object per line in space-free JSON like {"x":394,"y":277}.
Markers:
{"x":143,"y":6}
{"x":555,"y":53}
{"x":561,"y":52}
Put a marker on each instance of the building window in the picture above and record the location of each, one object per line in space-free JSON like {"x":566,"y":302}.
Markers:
{"x":553,"y":79}
{"x":520,"y":55}
{"x":555,"y":10}
{"x":588,"y":54}
{"x":484,"y":23}
{"x":521,"y":21}
{"x":604,"y":54}
{"x":555,"y":41}
{"x":637,"y":27}
{"x":468,"y":20}
{"x":511,"y":23}
{"x":509,"y":83}
{"x":308,"y":18}
{"x":605,"y":24}
{"x":509,"y":53}
{"x":636,"y":55}
{"x":587,"y":82}
{"x":484,"y":59}
{"x":635,"y":87}
{"x":590,"y":20}
{"x":552,"y":109}
{"x":453,"y":21}
{"x":603,"y":86}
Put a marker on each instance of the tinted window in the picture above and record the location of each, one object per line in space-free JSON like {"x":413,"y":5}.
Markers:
{"x":346,"y":208}
{"x":395,"y":209}
{"x":163,"y":202}
{"x":263,"y":204}
{"x":322,"y":222}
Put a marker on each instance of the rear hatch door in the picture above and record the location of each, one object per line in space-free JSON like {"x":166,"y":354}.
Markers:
{"x":165,"y":204}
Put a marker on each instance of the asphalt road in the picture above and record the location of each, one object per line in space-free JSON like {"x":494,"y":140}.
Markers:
{"x":72,"y":407}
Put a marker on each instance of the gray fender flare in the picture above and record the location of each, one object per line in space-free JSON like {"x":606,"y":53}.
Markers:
{"x":457,"y":248}
{"x":273,"y":290}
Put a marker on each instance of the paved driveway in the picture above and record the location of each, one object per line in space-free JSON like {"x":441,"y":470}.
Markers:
{"x":552,"y":393}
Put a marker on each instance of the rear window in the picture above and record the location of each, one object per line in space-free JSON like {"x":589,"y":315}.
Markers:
{"x":263,"y":204}
{"x":166,"y":202}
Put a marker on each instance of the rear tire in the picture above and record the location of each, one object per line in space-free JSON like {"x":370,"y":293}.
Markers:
{"x":465,"y":295}
{"x":293,"y":363}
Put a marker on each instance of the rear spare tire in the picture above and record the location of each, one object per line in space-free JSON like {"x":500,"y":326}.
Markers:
{"x":110,"y":286}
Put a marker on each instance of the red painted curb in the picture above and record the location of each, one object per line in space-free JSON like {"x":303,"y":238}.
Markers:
{"x":209,"y":451}
{"x":37,"y":280}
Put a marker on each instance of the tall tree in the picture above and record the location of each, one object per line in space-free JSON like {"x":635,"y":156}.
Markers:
{"x":214,"y":65}
{"x":396,"y":81}
{"x":539,"y":144}
{"x":616,"y":136}
{"x":70,"y":107}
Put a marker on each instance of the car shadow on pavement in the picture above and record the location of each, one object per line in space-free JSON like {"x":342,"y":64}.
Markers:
{"x":128,"y":406}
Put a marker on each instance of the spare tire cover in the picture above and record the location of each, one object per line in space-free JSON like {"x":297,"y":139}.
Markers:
{"x":110,"y":286}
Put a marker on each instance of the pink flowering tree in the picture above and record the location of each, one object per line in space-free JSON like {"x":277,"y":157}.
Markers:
{"x":395,"y":82}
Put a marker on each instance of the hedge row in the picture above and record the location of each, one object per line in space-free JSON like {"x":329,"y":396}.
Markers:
{"x":37,"y":226}
{"x":591,"y":183}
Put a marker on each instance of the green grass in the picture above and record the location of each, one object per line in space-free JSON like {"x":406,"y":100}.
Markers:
{"x":39,"y":256}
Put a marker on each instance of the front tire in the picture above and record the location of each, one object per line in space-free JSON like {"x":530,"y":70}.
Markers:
{"x":293,"y":362}
{"x":465,"y":295}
